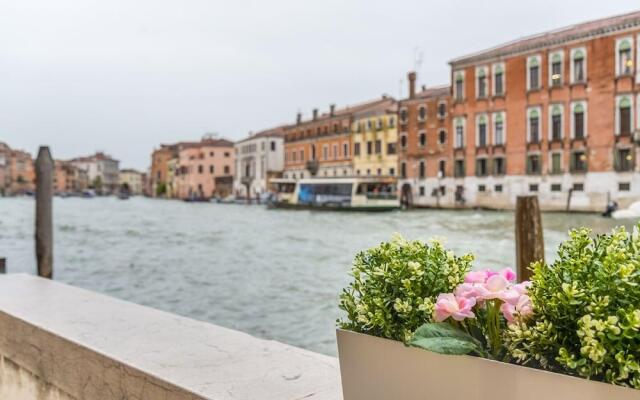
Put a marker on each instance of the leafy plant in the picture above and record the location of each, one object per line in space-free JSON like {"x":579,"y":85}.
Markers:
{"x":395,"y":285}
{"x":586,"y":318}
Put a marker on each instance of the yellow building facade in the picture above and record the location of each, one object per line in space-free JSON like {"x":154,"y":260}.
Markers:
{"x":375,"y":143}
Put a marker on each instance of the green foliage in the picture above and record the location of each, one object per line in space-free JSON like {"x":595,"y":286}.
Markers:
{"x":161,"y":189}
{"x":395,"y":285}
{"x":586,"y":310}
{"x":443,"y":338}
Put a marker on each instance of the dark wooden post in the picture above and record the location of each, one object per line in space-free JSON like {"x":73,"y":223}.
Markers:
{"x":44,"y":212}
{"x":3,"y":265}
{"x":529,"y":239}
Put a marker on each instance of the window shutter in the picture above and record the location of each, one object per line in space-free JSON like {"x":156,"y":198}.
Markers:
{"x":624,"y":45}
{"x":557,"y":110}
{"x":578,"y":55}
{"x":556,"y":58}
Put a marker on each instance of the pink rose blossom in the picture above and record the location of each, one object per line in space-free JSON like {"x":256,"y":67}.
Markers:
{"x":468,"y":290}
{"x":522,"y":308}
{"x":476,"y":277}
{"x":448,"y":305}
{"x":494,"y":288}
{"x":508,"y":274}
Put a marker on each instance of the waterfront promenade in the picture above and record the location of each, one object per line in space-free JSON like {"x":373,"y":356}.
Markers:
{"x":247,"y":268}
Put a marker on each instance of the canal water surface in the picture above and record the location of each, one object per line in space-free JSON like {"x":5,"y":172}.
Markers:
{"x":275,"y":274}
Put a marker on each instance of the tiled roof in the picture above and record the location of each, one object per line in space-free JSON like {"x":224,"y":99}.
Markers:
{"x":600,"y":27}
{"x":433,"y":92}
{"x":278,"y":131}
{"x":351,"y":109}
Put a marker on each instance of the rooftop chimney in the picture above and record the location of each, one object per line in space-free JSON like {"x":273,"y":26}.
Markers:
{"x":298,"y":118}
{"x":424,"y":87}
{"x":332,"y":109}
{"x":384,"y":97}
{"x":412,"y":84}
{"x":315,"y":114}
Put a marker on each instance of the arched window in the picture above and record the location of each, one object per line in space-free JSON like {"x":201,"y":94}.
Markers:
{"x":534,"y":126}
{"x":423,"y":139}
{"x":482,"y":83}
{"x":482,"y":131}
{"x":578,"y":66}
{"x":459,"y":92}
{"x":624,"y":116}
{"x":422,"y":113}
{"x":498,"y":129}
{"x":578,"y":121}
{"x":556,"y":69}
{"x":403,"y":141}
{"x":625,"y":60}
{"x":498,"y":80}
{"x":534,"y":73}
{"x":459,"y":139}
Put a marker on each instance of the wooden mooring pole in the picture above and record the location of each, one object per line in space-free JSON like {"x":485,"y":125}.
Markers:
{"x":3,"y":265}
{"x":529,"y":239}
{"x":44,"y":212}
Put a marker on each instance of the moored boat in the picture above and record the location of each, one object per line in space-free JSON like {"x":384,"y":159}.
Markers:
{"x":350,"y":194}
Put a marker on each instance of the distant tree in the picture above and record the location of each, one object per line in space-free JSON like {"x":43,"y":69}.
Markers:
{"x":97,"y":183}
{"x":161,"y":189}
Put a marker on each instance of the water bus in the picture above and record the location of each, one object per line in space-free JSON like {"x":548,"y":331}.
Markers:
{"x":354,"y":194}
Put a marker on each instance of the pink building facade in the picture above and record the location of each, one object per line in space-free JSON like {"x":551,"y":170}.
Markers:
{"x":205,"y":169}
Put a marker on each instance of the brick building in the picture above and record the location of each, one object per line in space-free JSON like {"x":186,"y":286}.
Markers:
{"x":322,"y":146}
{"x":425,"y":144}
{"x":68,"y":178}
{"x":553,"y":114}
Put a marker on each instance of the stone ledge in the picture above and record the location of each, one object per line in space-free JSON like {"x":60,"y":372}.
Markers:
{"x":70,"y":343}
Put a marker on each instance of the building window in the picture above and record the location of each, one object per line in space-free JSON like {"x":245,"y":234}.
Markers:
{"x":579,"y":162}
{"x":200,"y":169}
{"x":556,"y":122}
{"x":555,"y":68}
{"x":578,"y":65}
{"x":211,"y":169}
{"x":378,"y":146}
{"x":442,"y":136}
{"x":481,"y":88}
{"x":403,"y":115}
{"x":623,"y":160}
{"x":391,"y":148}
{"x":422,"y":113}
{"x":403,"y":141}
{"x":369,"y":147}
{"x":534,"y":125}
{"x":403,"y":169}
{"x":498,"y":128}
{"x":481,"y":129}
{"x":422,"y":169}
{"x":498,"y":80}
{"x":442,"y":168}
{"x":624,"y":186}
{"x":459,"y":168}
{"x":482,"y":167}
{"x":379,"y":124}
{"x":459,"y":139}
{"x":422,"y":139}
{"x":345,"y":150}
{"x":499,"y":166}
{"x":533,"y":164}
{"x":442,"y":109}
{"x":227,"y":170}
{"x":392,"y":171}
{"x":533,"y":187}
{"x":578,"y":187}
{"x":421,"y":191}
{"x":556,"y":187}
{"x":482,"y":188}
{"x":556,"y":163}
{"x":459,"y":87}
{"x":533,"y":73}
{"x":578,"y":116}
{"x":497,"y":188}
{"x":273,"y":145}
{"x":325,"y":152}
{"x":624,"y":56}
{"x":392,"y":122}
{"x":625,"y":115}
{"x":356,"y":149}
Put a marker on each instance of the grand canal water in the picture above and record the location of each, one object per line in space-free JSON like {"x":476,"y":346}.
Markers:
{"x":272,"y":273}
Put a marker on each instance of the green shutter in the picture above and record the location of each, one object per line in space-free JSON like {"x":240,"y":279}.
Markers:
{"x":533,"y":62}
{"x":579,"y":108}
{"x":459,"y":77}
{"x":498,"y":69}
{"x":624,"y":45}
{"x":556,"y":58}
{"x":499,"y":117}
{"x":557,"y":110}
{"x":578,"y":55}
{"x":482,"y":73}
{"x":483,"y":119}
{"x":534,"y":114}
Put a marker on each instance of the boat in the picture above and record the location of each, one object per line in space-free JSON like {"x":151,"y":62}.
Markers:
{"x":632,"y":212}
{"x":349,"y":194}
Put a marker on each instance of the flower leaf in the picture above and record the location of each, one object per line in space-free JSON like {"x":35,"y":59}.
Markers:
{"x":443,"y":338}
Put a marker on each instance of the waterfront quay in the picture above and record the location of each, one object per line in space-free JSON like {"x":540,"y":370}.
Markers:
{"x":248,"y":268}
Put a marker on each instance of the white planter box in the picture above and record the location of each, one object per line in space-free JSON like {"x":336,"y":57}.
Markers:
{"x":379,"y":369}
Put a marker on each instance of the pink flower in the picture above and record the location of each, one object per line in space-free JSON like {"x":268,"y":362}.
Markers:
{"x":522,"y":308}
{"x":476,"y":276}
{"x":508,"y":274}
{"x":494,"y":288}
{"x":468,"y":290}
{"x":459,"y":308}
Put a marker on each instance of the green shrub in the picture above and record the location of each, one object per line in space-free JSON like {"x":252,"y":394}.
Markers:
{"x":395,"y":285}
{"x":586,"y":304}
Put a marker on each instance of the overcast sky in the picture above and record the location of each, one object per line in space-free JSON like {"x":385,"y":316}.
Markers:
{"x":123,"y":76}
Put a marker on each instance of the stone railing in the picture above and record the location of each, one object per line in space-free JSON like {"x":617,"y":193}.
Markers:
{"x":58,"y":342}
